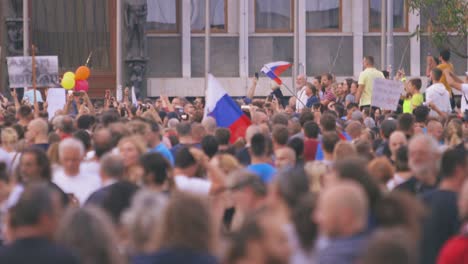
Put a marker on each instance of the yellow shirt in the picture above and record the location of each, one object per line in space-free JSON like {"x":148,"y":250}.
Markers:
{"x":410,"y":104}
{"x":416,"y":100}
{"x":443,"y":80}
{"x":367,"y":78}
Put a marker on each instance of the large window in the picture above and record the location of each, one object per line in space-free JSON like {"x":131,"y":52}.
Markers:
{"x":400,"y":15}
{"x":273,"y":15}
{"x":323,"y":15}
{"x":73,"y":30}
{"x":163,"y":16}
{"x":218,"y":15}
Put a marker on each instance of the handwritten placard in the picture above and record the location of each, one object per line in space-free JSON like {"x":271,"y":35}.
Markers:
{"x":55,"y":101}
{"x":386,"y":94}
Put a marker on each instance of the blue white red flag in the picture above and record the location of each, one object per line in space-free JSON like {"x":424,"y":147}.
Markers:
{"x":224,"y":110}
{"x":274,"y":70}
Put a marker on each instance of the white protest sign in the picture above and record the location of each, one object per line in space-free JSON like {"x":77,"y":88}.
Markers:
{"x":20,"y":71}
{"x":386,"y":94}
{"x":55,"y":101}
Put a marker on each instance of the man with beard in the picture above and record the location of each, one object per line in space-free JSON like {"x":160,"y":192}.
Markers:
{"x":423,"y":159}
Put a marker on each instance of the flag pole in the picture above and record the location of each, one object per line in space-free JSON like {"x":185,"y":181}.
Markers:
{"x":282,"y":83}
{"x":207,"y":42}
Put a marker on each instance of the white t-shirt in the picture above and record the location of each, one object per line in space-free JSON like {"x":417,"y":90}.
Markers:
{"x":301,"y":94}
{"x":437,"y":94}
{"x":464,"y":98}
{"x":81,"y":185}
{"x":193,"y":185}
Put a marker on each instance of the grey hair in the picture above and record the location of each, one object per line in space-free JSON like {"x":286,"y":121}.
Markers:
{"x":113,"y":165}
{"x":172,"y":123}
{"x":73,"y":144}
{"x":429,"y":141}
{"x":144,"y":218}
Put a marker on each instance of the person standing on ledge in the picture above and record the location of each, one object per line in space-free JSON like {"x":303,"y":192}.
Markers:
{"x":366,"y":82}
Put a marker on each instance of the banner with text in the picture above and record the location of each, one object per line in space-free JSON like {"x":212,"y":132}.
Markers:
{"x":386,"y":94}
{"x":20,"y":71}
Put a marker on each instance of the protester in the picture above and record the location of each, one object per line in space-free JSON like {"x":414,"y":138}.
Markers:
{"x":179,"y":242}
{"x":32,"y":222}
{"x":454,"y":250}
{"x":366,"y":82}
{"x":88,"y":232}
{"x":442,"y":221}
{"x":341,"y":215}
{"x":423,"y":154}
{"x":69,"y":177}
{"x":141,"y":221}
{"x":437,"y":96}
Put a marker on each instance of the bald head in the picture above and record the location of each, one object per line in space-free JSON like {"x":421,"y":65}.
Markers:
{"x":285,"y":157}
{"x":397,"y":139}
{"x":259,"y":118}
{"x":37,"y":129}
{"x":342,"y":210}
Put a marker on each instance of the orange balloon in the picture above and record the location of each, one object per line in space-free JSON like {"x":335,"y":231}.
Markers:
{"x":82,"y":73}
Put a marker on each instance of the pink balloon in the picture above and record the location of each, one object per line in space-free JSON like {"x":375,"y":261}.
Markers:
{"x":81,"y":86}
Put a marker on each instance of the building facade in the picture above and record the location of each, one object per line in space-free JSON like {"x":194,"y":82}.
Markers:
{"x":319,"y":35}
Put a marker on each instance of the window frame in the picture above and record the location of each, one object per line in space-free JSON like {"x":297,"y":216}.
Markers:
{"x":178,"y":22}
{"x":280,"y":30}
{"x":340,"y":22}
{"x":405,"y":28}
{"x":215,"y":30}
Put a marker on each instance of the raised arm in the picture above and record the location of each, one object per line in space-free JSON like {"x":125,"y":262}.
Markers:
{"x":453,"y":80}
{"x":251,"y":91}
{"x":88,"y":103}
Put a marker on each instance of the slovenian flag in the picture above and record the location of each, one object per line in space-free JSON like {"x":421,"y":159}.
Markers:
{"x":275,"y":69}
{"x":224,"y":110}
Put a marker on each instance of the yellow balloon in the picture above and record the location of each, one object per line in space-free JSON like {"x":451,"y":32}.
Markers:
{"x":70,"y":75}
{"x":68,"y":83}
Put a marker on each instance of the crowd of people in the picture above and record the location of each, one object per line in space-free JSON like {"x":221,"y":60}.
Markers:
{"x":320,"y":177}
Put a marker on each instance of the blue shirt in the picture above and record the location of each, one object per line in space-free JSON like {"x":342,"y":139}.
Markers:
{"x":163,"y":150}
{"x":319,"y":154}
{"x":264,"y":170}
{"x":343,"y":250}
{"x":30,"y":95}
{"x":175,"y":256}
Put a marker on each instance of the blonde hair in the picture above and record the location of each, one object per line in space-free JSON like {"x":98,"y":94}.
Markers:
{"x":137,"y":141}
{"x":315,"y":171}
{"x":227,"y":163}
{"x":454,"y":133}
{"x":9,"y":136}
